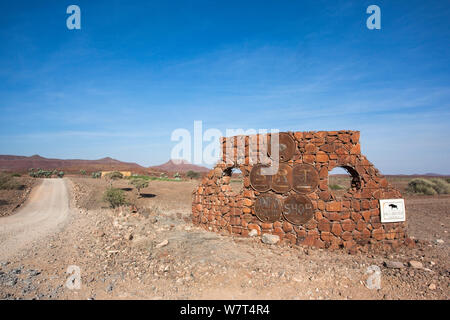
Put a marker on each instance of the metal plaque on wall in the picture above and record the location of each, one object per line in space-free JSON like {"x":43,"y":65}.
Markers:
{"x":268,"y":208}
{"x":282,"y":180}
{"x":258,"y":181}
{"x":298,"y":209}
{"x":305,"y":178}
{"x":286,"y":146}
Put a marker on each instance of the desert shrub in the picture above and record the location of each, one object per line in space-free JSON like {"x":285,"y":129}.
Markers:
{"x":39,"y":173}
{"x":83,"y":172}
{"x":441,"y":186}
{"x":7,"y":182}
{"x":115,"y":197}
{"x":44,"y":174}
{"x":4,"y":179}
{"x":61,"y":174}
{"x":139,"y":184}
{"x":448,"y":180}
{"x":192,"y":174}
{"x":421,"y":186}
{"x":96,"y":175}
{"x":428,"y":187}
{"x":115,"y":175}
{"x":163,"y":175}
{"x":336,"y":187}
{"x":177,"y":176}
{"x":16,"y":175}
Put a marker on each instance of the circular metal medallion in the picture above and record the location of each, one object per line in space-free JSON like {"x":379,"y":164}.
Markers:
{"x":298,"y":209}
{"x":282,"y":180}
{"x":305,"y":178}
{"x":268,"y":208}
{"x":258,"y":181}
{"x":286,"y":146}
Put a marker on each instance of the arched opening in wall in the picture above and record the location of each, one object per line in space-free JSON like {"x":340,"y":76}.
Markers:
{"x":343,"y":179}
{"x":236,"y":179}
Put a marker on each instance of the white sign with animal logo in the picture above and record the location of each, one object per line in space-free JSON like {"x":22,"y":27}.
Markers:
{"x":392,"y":210}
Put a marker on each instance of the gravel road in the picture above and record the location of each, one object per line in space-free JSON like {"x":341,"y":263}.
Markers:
{"x":45,"y":212}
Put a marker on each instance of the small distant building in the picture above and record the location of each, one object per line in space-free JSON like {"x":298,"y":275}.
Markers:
{"x":124,"y":173}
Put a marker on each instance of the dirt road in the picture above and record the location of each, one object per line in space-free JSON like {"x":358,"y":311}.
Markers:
{"x":44,"y":212}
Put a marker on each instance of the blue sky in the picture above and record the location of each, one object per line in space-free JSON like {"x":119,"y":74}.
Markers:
{"x":136,"y":71}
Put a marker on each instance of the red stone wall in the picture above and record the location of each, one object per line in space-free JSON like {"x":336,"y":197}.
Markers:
{"x":350,"y":221}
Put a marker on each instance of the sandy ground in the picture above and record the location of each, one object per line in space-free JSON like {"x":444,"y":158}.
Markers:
{"x":156,"y":253}
{"x":429,"y":217}
{"x":12,"y":200}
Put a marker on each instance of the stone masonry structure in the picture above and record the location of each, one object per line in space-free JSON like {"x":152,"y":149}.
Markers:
{"x":296,"y":204}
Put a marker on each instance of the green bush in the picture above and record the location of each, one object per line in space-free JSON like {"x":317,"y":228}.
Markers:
{"x":115,"y":175}
{"x":139,"y":184}
{"x":61,"y":174}
{"x":336,"y":187}
{"x":153,"y":178}
{"x":39,"y":173}
{"x":177,"y":176}
{"x":115,"y":197}
{"x":428,"y":187}
{"x":96,"y":175}
{"x":83,"y":172}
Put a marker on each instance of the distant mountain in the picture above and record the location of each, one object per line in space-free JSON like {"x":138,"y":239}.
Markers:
{"x":180,"y":166}
{"x":23,"y":163}
{"x":420,"y":175}
{"x":433,"y":174}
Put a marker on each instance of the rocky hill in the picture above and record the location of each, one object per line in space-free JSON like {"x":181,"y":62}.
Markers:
{"x":23,"y":163}
{"x":181,"y":166}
